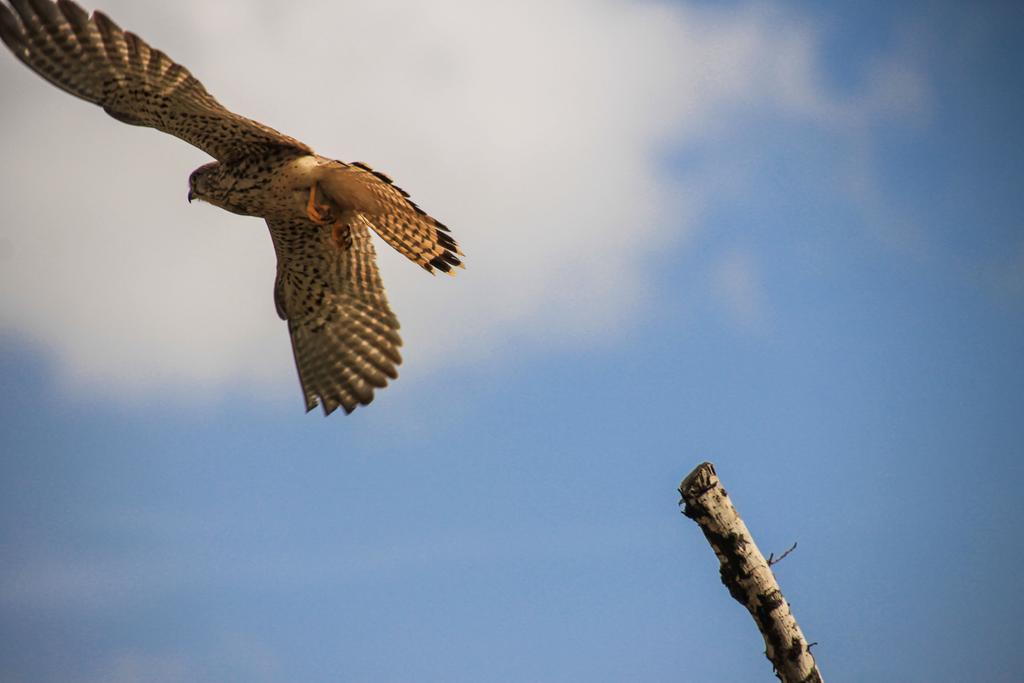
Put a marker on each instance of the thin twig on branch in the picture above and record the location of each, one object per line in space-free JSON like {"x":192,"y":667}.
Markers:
{"x":772,"y":560}
{"x":747,"y":575}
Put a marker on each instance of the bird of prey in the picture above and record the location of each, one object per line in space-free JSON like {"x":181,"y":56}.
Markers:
{"x":319,"y":210}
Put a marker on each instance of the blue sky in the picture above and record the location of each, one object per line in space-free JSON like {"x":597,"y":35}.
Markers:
{"x":784,"y":238}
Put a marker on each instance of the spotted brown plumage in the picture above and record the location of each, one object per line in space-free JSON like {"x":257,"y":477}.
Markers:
{"x":319,"y":210}
{"x":328,"y":289}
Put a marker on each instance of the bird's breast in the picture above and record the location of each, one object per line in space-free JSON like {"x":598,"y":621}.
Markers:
{"x":292,"y":185}
{"x":271,"y":187}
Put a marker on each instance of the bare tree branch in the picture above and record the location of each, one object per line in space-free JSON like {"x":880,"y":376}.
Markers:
{"x":747,"y":575}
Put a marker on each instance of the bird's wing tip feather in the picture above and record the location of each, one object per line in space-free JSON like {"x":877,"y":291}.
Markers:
{"x":11,"y":30}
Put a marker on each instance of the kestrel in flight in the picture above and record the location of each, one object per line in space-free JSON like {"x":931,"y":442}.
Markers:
{"x":319,"y":211}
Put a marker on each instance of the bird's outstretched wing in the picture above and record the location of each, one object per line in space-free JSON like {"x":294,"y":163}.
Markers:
{"x":92,"y":58}
{"x":344,"y":334}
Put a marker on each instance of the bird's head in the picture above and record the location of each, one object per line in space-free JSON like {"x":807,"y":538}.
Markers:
{"x":203,"y":182}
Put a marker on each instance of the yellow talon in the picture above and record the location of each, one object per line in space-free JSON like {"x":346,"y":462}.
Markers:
{"x":313,"y":211}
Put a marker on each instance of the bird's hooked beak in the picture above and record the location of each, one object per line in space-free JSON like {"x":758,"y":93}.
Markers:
{"x":191,"y":195}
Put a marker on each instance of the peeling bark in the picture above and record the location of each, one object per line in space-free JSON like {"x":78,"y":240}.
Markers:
{"x":747,"y":575}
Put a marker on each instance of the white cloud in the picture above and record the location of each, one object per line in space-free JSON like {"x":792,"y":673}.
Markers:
{"x":533,"y":129}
